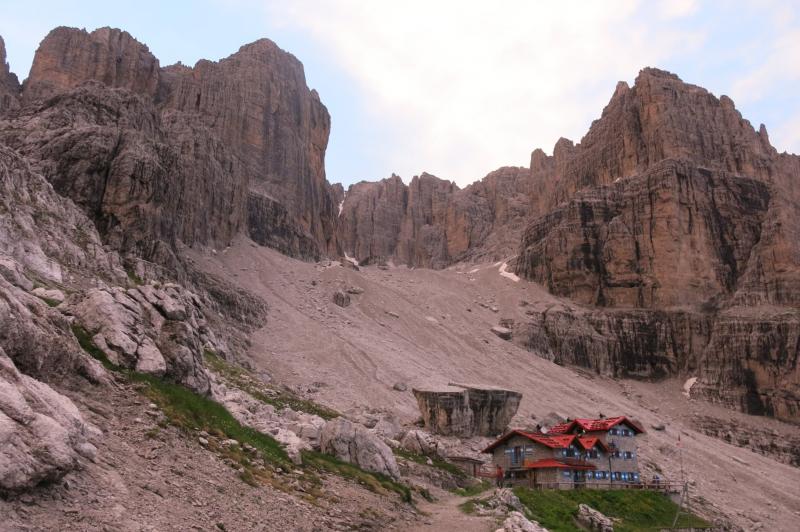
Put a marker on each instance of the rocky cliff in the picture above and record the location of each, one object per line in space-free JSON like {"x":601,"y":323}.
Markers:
{"x":432,"y":222}
{"x":672,"y":203}
{"x":161,"y":156}
{"x":9,"y":84}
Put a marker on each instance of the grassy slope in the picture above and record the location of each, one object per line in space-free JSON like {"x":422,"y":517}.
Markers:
{"x":192,"y":413}
{"x":636,"y":510}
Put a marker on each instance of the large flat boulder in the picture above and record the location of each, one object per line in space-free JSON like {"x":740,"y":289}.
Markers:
{"x":467,"y":410}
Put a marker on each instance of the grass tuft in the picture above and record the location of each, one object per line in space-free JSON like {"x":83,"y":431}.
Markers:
{"x":372,"y":481}
{"x":271,"y":395}
{"x":436,"y":462}
{"x":632,"y":509}
{"x":473,"y":489}
{"x":192,"y":413}
{"x":87,"y":344}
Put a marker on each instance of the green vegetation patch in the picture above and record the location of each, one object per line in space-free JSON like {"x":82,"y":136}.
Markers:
{"x":193,"y":412}
{"x":473,"y":489}
{"x":633,"y":509}
{"x":468,"y":507}
{"x":436,"y":462}
{"x":86,"y":343}
{"x":373,"y":481}
{"x":271,"y":395}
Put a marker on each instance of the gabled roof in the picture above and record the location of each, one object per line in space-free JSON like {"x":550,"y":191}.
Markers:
{"x":588,"y":442}
{"x":594,"y":425}
{"x":558,"y":464}
{"x":554,"y":442}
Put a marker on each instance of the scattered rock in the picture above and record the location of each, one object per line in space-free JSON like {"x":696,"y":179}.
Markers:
{"x":341,"y":298}
{"x":502,"y":332}
{"x":393,"y":314}
{"x":355,"y":290}
{"x":420,"y":442}
{"x":594,"y":520}
{"x":516,"y":522}
{"x":400,"y":387}
{"x":658,"y":426}
{"x":54,"y":295}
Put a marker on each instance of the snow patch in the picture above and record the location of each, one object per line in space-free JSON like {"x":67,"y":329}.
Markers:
{"x":350,"y":259}
{"x":687,"y":386}
{"x":507,"y":274}
{"x":341,"y":205}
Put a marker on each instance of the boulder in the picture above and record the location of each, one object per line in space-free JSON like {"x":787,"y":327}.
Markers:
{"x":467,"y":410}
{"x":591,"y":519}
{"x":357,"y":445}
{"x":42,"y":432}
{"x":502,"y":332}
{"x":55,"y":295}
{"x":420,"y":442}
{"x":341,"y":298}
{"x":516,"y":522}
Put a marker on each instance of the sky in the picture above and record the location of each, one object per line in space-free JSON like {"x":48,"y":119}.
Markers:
{"x":460,"y":88}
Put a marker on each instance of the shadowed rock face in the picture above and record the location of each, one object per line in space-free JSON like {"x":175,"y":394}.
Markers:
{"x":432,"y":223}
{"x":195,"y":155}
{"x":9,"y":84}
{"x":676,"y":235}
{"x":672,"y":202}
{"x":68,"y":57}
{"x":468,"y":411}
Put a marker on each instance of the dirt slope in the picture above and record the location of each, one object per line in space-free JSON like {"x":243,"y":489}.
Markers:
{"x":350,"y":358}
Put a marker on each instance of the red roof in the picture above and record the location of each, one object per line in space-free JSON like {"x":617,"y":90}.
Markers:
{"x":594,"y":425}
{"x":587,"y":442}
{"x":554,"y":442}
{"x":558,"y":464}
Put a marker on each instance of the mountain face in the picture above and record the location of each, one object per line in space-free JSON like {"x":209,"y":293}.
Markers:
{"x":159,"y":156}
{"x":674,"y":223}
{"x":9,"y":85}
{"x":432,"y":223}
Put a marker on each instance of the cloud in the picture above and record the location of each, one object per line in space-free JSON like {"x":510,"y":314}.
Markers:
{"x":781,"y":64}
{"x":673,"y":9}
{"x":471,"y":86}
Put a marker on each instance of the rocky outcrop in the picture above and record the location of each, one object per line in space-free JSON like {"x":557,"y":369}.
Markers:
{"x":257,"y":103}
{"x":43,"y":434}
{"x":158,"y":156}
{"x":591,"y":519}
{"x":152,"y":329}
{"x":467,"y":410}
{"x":517,"y":522}
{"x":782,"y":445}
{"x":431,"y":222}
{"x":355,"y":444}
{"x":68,"y":57}
{"x":676,"y":235}
{"x":9,"y":84}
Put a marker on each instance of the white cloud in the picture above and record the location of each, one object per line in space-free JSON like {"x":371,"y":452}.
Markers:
{"x":471,"y":86}
{"x":672,"y":9}
{"x":780,"y":64}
